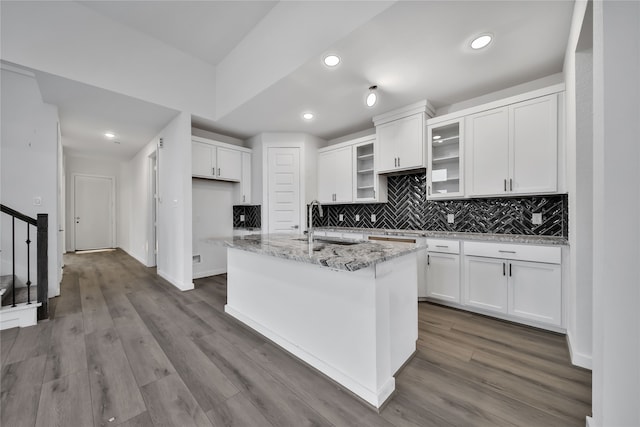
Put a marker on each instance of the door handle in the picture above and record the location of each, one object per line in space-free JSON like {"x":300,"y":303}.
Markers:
{"x":504,"y":273}
{"x":509,"y":269}
{"x":510,"y":184}
{"x":428,"y":260}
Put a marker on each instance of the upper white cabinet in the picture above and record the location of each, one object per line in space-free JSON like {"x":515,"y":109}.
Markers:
{"x":335,"y":175}
{"x":217,"y":160}
{"x":445,"y":171}
{"x":400,"y":136}
{"x":514,"y":149}
{"x":245,"y":181}
{"x":347,"y":173}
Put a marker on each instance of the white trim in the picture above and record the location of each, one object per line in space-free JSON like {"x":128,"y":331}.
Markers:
{"x":590,"y":422}
{"x":496,"y":104}
{"x":208,"y":273}
{"x":20,"y":316}
{"x":419,"y":107}
{"x":175,"y":282}
{"x":152,"y":236}
{"x":11,"y":68}
{"x":578,"y":359}
{"x":73,"y":206}
{"x":349,"y":143}
{"x":220,"y":144}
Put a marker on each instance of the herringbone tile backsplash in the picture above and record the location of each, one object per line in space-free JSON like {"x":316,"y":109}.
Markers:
{"x":251,"y":216}
{"x":408,"y":209}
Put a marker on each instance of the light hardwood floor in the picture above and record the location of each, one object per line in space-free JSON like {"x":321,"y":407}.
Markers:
{"x":124,"y":348}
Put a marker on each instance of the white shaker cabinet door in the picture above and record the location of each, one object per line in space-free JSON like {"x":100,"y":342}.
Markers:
{"x":202,"y":160}
{"x":535,"y":291}
{"x":534,"y":145}
{"x":488,"y":159}
{"x":443,"y":276}
{"x":486,"y":283}
{"x":229,"y":164}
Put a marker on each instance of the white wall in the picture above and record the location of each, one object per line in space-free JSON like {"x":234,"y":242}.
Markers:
{"x":174,"y":213}
{"x":29,"y":145}
{"x":580,"y":188}
{"x":616,"y":213}
{"x":86,"y":165}
{"x":212,"y":217}
{"x":45,"y":36}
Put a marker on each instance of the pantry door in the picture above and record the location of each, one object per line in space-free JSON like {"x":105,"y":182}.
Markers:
{"x":284,"y":190}
{"x":93,"y":212}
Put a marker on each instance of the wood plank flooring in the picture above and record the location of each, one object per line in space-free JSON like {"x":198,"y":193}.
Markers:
{"x":125,"y":348}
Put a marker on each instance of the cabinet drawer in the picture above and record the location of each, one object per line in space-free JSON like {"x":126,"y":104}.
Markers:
{"x":548,"y":254}
{"x":443,"y":246}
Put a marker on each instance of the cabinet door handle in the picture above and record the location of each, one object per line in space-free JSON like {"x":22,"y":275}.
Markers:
{"x":213,"y":171}
{"x":506,"y":252}
{"x":428,"y":190}
{"x":504,"y":273}
{"x":244,"y":198}
{"x":428,"y":260}
{"x":218,"y":171}
{"x":398,"y":161}
{"x":505,"y":185}
{"x":510,"y":184}
{"x":509,"y":269}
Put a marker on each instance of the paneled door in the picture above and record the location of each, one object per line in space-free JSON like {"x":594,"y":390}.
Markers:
{"x":284,"y":189}
{"x":93,"y":212}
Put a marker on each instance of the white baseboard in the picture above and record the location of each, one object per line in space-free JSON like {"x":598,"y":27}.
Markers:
{"x":578,"y":359}
{"x":213,"y":272}
{"x":176,"y":283}
{"x":20,"y":316}
{"x":590,"y":422}
{"x":136,"y":257}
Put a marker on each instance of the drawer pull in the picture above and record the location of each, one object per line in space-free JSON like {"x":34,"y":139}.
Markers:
{"x":504,"y":273}
{"x":442,"y":246}
{"x":507,"y":252}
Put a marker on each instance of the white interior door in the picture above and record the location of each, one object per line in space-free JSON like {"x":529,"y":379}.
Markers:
{"x":93,"y":212}
{"x":284,"y":190}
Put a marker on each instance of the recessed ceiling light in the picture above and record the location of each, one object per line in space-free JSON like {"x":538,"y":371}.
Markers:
{"x":481,"y":41}
{"x":307,"y":116}
{"x":436,"y":137}
{"x":331,"y":60}
{"x":110,"y":135}
{"x":372,"y":97}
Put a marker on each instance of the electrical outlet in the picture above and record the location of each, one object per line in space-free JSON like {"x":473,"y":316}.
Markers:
{"x":340,"y":217}
{"x":450,"y":218}
{"x":357,"y":217}
{"x":373,"y":217}
{"x":241,"y":218}
{"x":37,"y":201}
{"x":536,"y":218}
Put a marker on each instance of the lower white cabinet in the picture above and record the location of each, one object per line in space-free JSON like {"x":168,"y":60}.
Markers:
{"x":442,"y":279}
{"x":511,"y":284}
{"x":443,"y":276}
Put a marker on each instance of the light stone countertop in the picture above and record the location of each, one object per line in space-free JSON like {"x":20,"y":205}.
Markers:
{"x":487,"y":237}
{"x":341,"y":257}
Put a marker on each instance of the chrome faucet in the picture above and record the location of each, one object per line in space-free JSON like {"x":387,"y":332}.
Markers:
{"x":310,"y":229}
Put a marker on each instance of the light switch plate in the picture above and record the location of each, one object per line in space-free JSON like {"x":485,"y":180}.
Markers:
{"x":340,"y":217}
{"x":241,"y":218}
{"x":357,"y":217}
{"x":373,"y":217}
{"x":536,"y":218}
{"x":450,"y":218}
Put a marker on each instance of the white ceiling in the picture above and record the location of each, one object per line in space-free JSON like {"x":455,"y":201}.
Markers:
{"x":413,"y":50}
{"x":87,"y":112}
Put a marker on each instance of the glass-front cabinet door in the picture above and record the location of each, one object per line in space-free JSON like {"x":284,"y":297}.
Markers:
{"x":445,"y":160}
{"x":365,"y":188}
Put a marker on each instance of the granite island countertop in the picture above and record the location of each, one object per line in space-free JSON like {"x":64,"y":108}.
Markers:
{"x":348,"y":257}
{"x":457,"y":235}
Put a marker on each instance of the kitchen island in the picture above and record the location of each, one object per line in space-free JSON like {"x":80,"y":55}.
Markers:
{"x":347,"y":309}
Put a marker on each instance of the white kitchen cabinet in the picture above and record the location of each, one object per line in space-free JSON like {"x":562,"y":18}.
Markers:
{"x":335,"y":175}
{"x":401,"y":144}
{"x":521,"y":281}
{"x":443,"y":276}
{"x":245,"y":181}
{"x":445,"y":153}
{"x":400,"y":138}
{"x":514,"y":149}
{"x":216,"y":160}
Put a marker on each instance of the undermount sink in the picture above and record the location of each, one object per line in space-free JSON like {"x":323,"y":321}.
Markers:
{"x":330,"y":241}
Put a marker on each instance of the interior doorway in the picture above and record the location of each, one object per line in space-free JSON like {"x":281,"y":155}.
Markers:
{"x":284,"y":190}
{"x":153,"y":220}
{"x":93,"y":212}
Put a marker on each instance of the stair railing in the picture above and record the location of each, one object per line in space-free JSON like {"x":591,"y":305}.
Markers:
{"x":41,"y":224}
